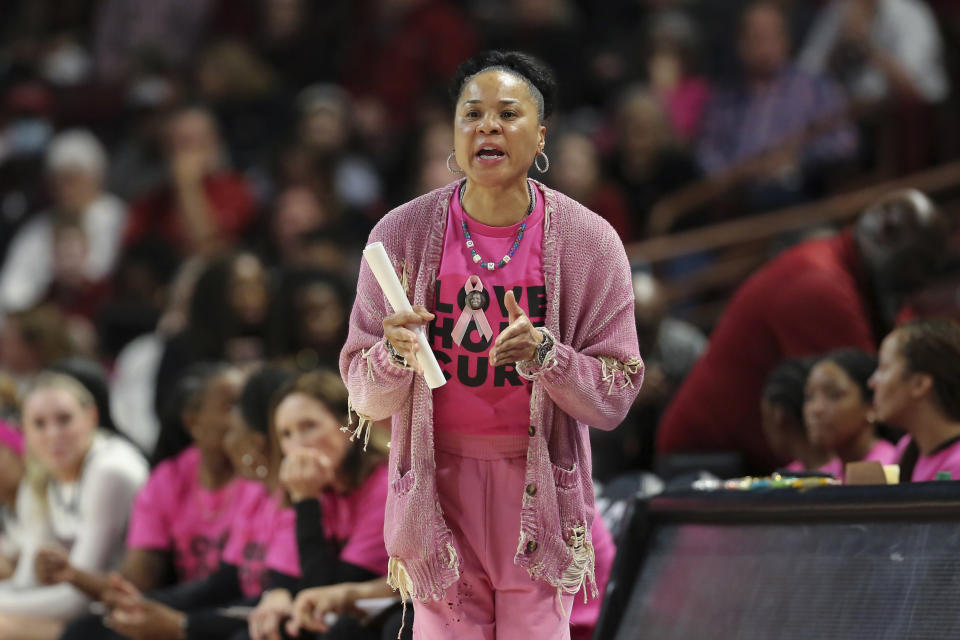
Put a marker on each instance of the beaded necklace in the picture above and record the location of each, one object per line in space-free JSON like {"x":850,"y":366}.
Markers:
{"x":516,"y":243}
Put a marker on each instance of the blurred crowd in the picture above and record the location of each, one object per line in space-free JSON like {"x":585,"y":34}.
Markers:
{"x":185,"y":180}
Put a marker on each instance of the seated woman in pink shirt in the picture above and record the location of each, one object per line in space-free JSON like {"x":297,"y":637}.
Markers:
{"x":260,"y":551}
{"x":339,"y":494}
{"x":781,"y":410}
{"x":340,"y":497}
{"x":183,"y":514}
{"x":838,"y":413}
{"x":917,"y":388}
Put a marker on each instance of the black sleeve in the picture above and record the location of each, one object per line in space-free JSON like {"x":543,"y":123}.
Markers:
{"x":320,"y":561}
{"x":277,"y":580}
{"x":218,"y":589}
{"x":209,"y":624}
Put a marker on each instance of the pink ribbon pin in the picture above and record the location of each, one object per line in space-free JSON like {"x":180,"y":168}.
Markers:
{"x":472,"y":310}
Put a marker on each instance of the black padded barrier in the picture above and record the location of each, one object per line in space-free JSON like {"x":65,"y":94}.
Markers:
{"x":840,"y":563}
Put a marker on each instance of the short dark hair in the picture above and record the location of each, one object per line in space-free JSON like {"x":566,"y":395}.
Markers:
{"x":186,"y":395}
{"x":537,"y":75}
{"x":932,"y":346}
{"x":784,"y":386}
{"x":258,"y":394}
{"x":857,"y":364}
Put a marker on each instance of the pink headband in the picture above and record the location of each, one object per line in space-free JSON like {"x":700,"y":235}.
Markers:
{"x":11,"y":437}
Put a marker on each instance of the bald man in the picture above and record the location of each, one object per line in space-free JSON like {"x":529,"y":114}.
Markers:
{"x":842,"y":291}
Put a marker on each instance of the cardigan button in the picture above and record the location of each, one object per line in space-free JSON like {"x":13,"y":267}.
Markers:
{"x":532,"y":431}
{"x":531,"y":547}
{"x":531,"y":489}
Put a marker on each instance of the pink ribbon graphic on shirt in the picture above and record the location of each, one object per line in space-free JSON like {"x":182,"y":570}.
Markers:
{"x":472,"y":310}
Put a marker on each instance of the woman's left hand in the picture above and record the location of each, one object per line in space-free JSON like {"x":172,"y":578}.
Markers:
{"x":264,"y":622}
{"x":519,"y":341}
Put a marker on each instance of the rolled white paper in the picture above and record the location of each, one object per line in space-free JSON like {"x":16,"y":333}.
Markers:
{"x":382,"y":269}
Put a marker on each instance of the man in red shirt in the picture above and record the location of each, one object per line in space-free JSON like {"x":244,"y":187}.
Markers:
{"x":203,"y":206}
{"x":843,"y":291}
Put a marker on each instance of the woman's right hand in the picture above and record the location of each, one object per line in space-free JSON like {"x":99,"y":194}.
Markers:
{"x":404,"y":340}
{"x":264,"y":622}
{"x":305,"y":473}
{"x":311,"y":607}
{"x":52,"y":566}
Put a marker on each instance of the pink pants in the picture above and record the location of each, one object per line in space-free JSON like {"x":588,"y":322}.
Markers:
{"x":481,"y":482}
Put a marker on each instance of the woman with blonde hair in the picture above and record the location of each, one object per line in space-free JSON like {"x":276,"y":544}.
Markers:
{"x":78,"y":494}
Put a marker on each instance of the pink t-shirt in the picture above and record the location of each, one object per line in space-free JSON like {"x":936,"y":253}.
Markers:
{"x":946,"y":458}
{"x":355,"y":521}
{"x":883,"y":452}
{"x":174,"y":512}
{"x":264,"y":536}
{"x":479,"y":399}
{"x":583,"y":617}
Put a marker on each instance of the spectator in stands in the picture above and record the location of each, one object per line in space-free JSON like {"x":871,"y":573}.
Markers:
{"x":12,"y":471}
{"x":297,"y":210}
{"x":326,"y":129}
{"x":424,"y":41}
{"x":143,"y":286}
{"x":308,"y":320}
{"x":87,"y":517}
{"x":260,"y":552}
{"x":339,"y":492}
{"x":781,"y":410}
{"x":79,"y":297}
{"x":647,"y":162}
{"x":838,"y":411}
{"x":434,"y":144}
{"x":32,"y":340}
{"x":302,"y":40}
{"x":182,"y":516}
{"x":138,"y":165}
{"x":243,"y":92}
{"x":125,"y":30}
{"x":549,"y":30}
{"x":915,"y":388}
{"x":577,"y":173}
{"x":822,"y":294}
{"x":226,"y":319}
{"x":795,"y":119}
{"x":879,"y":49}
{"x":203,"y":206}
{"x":671,"y":65}
{"x":76,"y":165}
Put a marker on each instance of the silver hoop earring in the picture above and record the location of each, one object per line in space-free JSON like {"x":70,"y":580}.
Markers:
{"x":246,"y":460}
{"x":261,"y":471}
{"x":452,"y":156}
{"x":546,"y":162}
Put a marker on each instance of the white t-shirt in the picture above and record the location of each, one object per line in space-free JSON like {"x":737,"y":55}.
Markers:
{"x":905,"y":29}
{"x":28,"y":268}
{"x":88,"y":517}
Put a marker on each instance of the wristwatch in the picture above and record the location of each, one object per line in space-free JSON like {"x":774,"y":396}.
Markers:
{"x":398,"y":359}
{"x":540,"y":355}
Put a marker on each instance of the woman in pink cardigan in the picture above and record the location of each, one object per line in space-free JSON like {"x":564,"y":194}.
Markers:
{"x":529,"y":303}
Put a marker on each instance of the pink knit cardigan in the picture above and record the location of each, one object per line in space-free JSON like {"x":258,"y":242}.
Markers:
{"x":590,"y":378}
